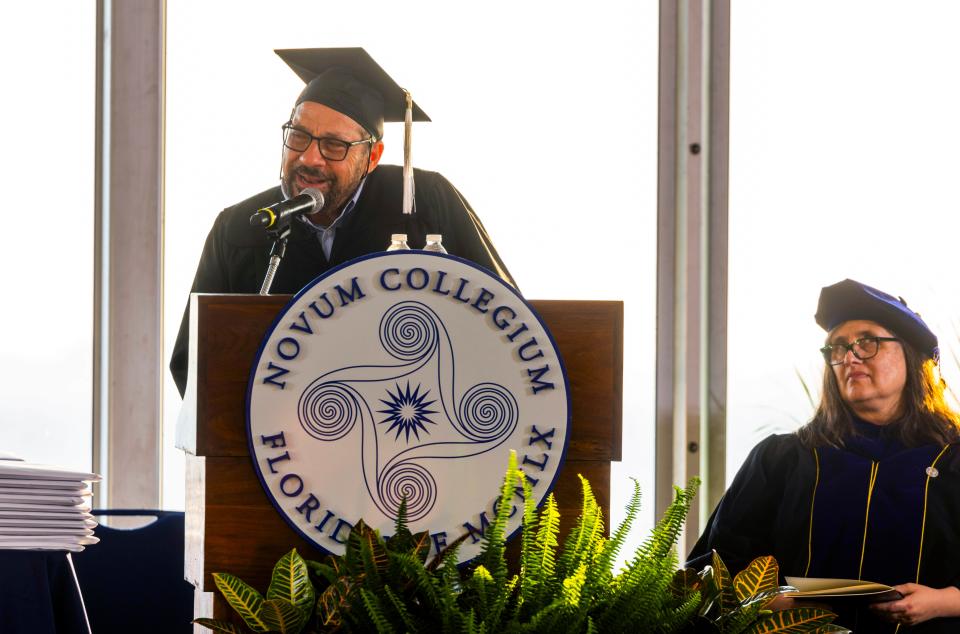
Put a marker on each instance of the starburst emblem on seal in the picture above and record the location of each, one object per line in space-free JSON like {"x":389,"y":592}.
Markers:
{"x":407,"y":412}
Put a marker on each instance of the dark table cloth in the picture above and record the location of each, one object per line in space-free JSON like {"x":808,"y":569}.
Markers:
{"x":39,"y":594}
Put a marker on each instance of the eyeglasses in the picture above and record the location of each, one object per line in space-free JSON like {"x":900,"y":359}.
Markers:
{"x":863,"y":348}
{"x":330,"y":148}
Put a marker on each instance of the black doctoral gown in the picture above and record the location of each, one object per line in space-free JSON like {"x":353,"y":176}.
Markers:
{"x":235,"y":255}
{"x":810,"y":509}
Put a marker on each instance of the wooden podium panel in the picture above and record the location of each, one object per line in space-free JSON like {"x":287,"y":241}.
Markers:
{"x":231,"y":526}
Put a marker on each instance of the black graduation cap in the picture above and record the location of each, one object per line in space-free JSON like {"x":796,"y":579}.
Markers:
{"x":850,"y":299}
{"x":352,"y":83}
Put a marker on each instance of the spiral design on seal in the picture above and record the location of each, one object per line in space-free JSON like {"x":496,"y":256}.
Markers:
{"x":408,"y":331}
{"x":327,"y":411}
{"x":488,"y":412}
{"x":410,"y":481}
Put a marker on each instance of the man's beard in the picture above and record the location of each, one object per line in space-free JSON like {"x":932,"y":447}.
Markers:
{"x":337,"y":194}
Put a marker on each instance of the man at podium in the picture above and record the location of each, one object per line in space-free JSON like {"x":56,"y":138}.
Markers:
{"x":333,"y":143}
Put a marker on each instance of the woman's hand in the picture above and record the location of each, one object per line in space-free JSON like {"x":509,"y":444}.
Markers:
{"x":919,"y":604}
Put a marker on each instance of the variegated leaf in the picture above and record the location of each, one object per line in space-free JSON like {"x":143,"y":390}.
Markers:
{"x":421,"y":545}
{"x":792,"y":621}
{"x":332,"y":600}
{"x":218,"y":626}
{"x":721,"y":577}
{"x":374,"y":545}
{"x":282,"y":616}
{"x":291,"y":582}
{"x":685,"y":582}
{"x":762,"y":574}
{"x":245,"y":600}
{"x":325,"y":571}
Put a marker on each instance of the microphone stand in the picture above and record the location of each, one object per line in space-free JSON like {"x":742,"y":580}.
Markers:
{"x":277,"y":252}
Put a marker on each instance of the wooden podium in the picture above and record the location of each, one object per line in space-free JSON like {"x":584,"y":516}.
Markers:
{"x":231,"y":526}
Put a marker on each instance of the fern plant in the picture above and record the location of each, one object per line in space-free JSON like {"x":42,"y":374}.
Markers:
{"x":390,"y":586}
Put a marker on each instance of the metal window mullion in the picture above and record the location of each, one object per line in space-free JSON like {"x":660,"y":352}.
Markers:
{"x":127,"y":379}
{"x":691,"y":278}
{"x":718,"y":133}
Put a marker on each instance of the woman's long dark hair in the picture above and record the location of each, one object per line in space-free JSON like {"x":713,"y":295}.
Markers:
{"x":927,"y":417}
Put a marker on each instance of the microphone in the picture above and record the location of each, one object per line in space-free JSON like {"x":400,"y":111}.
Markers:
{"x":308,"y":201}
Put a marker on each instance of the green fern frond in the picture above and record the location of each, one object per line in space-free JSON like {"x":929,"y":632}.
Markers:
{"x":501,"y":600}
{"x":539,"y":571}
{"x":402,"y":538}
{"x":483,"y":575}
{"x":581,"y":540}
{"x":469,"y":623}
{"x":642,"y":586}
{"x":401,"y":610}
{"x":555,"y":617}
{"x":422,"y":582}
{"x":664,"y":535}
{"x":244,"y":599}
{"x":576,"y":538}
{"x":528,"y":535}
{"x":481,"y":582}
{"x":400,"y":525}
{"x":591,"y":628}
{"x":471,"y":626}
{"x":492,"y":553}
{"x":573,"y":585}
{"x":449,"y":573}
{"x":674,"y":618}
{"x":613,"y":545}
{"x":375,"y":611}
{"x":637,"y":605}
{"x":599,"y":574}
{"x":352,"y":560}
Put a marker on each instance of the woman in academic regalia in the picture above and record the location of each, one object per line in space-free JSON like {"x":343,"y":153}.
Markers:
{"x":870,"y":488}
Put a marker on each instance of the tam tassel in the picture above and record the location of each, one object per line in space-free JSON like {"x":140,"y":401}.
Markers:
{"x":408,"y":191}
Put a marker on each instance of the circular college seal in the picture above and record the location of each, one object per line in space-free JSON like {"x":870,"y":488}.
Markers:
{"x":405,"y":375}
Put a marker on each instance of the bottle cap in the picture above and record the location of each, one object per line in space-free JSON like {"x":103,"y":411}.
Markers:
{"x":434,"y":237}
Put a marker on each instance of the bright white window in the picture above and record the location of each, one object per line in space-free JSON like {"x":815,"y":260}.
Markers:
{"x":46,"y":247}
{"x":843,"y":137}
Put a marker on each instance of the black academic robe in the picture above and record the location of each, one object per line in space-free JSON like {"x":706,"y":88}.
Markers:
{"x":808,"y":508}
{"x":235,"y":255}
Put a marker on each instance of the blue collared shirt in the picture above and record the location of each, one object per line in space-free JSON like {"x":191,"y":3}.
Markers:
{"x":326,"y":235}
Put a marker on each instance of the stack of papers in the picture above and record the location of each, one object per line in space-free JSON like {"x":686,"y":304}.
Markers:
{"x":44,"y":507}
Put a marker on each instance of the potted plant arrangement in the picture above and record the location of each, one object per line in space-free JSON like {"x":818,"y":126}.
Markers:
{"x":389,"y":585}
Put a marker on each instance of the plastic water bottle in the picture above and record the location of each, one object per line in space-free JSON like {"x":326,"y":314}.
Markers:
{"x":434,"y":243}
{"x":398,"y":242}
